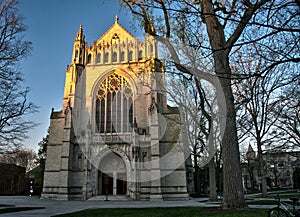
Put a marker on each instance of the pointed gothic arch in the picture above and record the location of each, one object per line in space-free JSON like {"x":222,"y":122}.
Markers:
{"x":122,"y":56}
{"x":98,"y":58}
{"x":114,"y":57}
{"x":114,"y":105}
{"x":130,"y":55}
{"x":114,"y":170}
{"x":89,"y":59}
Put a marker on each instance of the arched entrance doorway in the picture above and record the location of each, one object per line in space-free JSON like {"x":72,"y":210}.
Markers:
{"x":112,"y":175}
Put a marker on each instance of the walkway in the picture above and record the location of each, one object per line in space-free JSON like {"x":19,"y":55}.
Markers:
{"x":55,"y":207}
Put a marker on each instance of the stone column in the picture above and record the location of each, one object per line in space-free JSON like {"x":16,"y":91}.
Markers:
{"x":115,"y":182}
{"x":155,"y":193}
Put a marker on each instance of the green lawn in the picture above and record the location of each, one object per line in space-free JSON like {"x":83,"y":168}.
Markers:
{"x":272,"y":194}
{"x":268,"y":202}
{"x":285,"y":195}
{"x":261,"y":202}
{"x":168,"y":212}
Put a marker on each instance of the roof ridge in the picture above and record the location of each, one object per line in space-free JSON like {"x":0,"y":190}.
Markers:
{"x":111,"y":27}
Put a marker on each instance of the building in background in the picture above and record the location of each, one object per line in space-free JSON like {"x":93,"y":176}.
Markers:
{"x":279,"y":166}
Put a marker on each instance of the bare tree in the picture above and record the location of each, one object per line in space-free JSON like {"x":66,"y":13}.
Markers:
{"x":194,"y":97}
{"x":183,"y":95}
{"x":219,"y":28}
{"x":14,"y":105}
{"x":21,"y":157}
{"x":260,"y":96}
{"x":288,"y":124}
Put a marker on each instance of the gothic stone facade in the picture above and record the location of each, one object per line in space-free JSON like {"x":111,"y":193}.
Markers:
{"x":279,"y":167}
{"x":115,"y":134}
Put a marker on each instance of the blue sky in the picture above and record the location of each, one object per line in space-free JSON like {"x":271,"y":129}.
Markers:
{"x":52,"y":26}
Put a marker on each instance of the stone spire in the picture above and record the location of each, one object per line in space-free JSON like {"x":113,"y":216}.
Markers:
{"x":116,"y":19}
{"x":250,"y":149}
{"x":80,"y":35}
{"x":250,"y":153}
{"x":79,"y":47}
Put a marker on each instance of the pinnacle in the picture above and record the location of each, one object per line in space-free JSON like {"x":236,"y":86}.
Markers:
{"x":80,"y":34}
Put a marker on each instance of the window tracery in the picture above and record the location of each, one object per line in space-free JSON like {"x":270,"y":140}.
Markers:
{"x":115,"y":39}
{"x":114,"y":110}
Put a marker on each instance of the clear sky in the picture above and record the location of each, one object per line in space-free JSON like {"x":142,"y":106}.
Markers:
{"x":52,"y":26}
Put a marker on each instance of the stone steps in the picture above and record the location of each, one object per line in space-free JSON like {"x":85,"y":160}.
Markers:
{"x":110,"y":198}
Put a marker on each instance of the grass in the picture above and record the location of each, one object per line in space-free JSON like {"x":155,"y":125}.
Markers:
{"x":188,"y":211}
{"x":167,"y":212}
{"x":269,"y":202}
{"x":286,"y":195}
{"x":262,"y":202}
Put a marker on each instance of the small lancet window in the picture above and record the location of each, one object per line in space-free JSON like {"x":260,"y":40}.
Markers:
{"x":115,"y":57}
{"x":106,"y":56}
{"x":122,"y":56}
{"x":89,"y":59}
{"x":79,"y":162}
{"x":98,"y":58}
{"x":140,"y":54}
{"x":130,"y":55}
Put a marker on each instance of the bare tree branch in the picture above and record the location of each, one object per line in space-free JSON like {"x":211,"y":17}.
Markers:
{"x":14,"y":104}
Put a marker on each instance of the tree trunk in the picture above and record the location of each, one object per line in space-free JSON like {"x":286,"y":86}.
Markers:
{"x":233,"y":196}
{"x":212,"y":180}
{"x":233,"y":188}
{"x":262,"y":170}
{"x":196,"y":175}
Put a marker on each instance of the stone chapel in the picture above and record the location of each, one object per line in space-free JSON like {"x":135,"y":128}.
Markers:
{"x":115,"y":135}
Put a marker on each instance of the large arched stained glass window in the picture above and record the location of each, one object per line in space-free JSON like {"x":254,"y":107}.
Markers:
{"x":114,"y":105}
